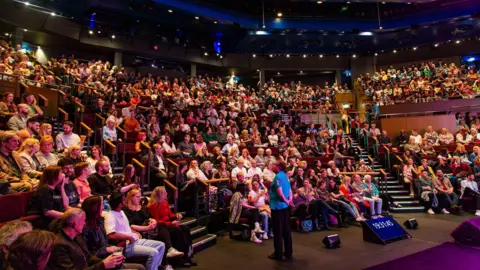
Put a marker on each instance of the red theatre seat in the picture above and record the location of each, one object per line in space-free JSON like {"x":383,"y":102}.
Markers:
{"x":15,"y":207}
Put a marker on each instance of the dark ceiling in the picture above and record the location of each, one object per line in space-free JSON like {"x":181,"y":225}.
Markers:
{"x":306,"y":26}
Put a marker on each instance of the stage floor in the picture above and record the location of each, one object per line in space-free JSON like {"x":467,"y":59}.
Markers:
{"x":309,"y":252}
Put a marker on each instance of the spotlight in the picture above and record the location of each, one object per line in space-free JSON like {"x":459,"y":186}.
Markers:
{"x":263,"y":26}
{"x":332,"y":241}
{"x":99,"y":32}
{"x":394,"y":51}
{"x":457,"y":42}
{"x":304,"y":56}
{"x":197,"y":18}
{"x":221,"y":56}
{"x":380,"y":27}
{"x":415,"y":48}
{"x":155,"y":47}
{"x":376,"y":54}
{"x":279,"y":14}
{"x":301,"y":72}
{"x":319,"y":2}
{"x":206,"y":54}
{"x":436,"y":45}
{"x":288,"y":55}
{"x":338,"y":56}
{"x":354,"y":56}
{"x":348,"y":2}
{"x":271,"y":55}
{"x":321,"y":55}
{"x":411,"y":224}
{"x":53,"y":14}
{"x":170,"y":11}
{"x":90,"y":32}
{"x":278,"y":73}
{"x":25,"y":30}
{"x":27,"y":3}
{"x":215,"y":22}
{"x":218,"y":54}
{"x":113,"y":36}
{"x":254,"y":55}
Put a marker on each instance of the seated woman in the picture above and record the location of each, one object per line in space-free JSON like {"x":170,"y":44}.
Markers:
{"x":199,"y":143}
{"x":362,"y":167}
{"x":260,"y":158}
{"x":27,"y":160}
{"x":258,"y":197}
{"x":75,"y":154}
{"x":141,"y":137}
{"x":128,"y":180}
{"x":268,"y":174}
{"x":408,"y":174}
{"x":49,"y":200}
{"x":469,"y":189}
{"x":371,"y":194}
{"x":45,"y":156}
{"x":413,"y":147}
{"x":349,"y":166}
{"x":246,"y":157}
{"x":430,"y":196}
{"x":82,"y":171}
{"x":110,"y":131}
{"x":95,"y":156}
{"x":426,"y":148}
{"x":239,"y":208}
{"x":170,"y":150}
{"x":94,"y":234}
{"x":333,"y":171}
{"x":177,"y":237}
{"x":45,"y":129}
{"x":462,"y":153}
{"x":339,"y":198}
{"x":203,"y":155}
{"x":445,"y":137}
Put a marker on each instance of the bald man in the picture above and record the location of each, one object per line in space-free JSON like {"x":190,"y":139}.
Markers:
{"x":19,"y":121}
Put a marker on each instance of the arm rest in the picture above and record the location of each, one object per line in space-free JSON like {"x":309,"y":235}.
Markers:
{"x":42,"y":100}
{"x":87,"y":128}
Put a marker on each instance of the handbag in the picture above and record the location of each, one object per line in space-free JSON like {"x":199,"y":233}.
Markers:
{"x":306,"y":225}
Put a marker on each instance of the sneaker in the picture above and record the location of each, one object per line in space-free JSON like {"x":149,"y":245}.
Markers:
{"x":257,"y":228}
{"x":254,"y":238}
{"x":265,"y":236}
{"x":374,"y":217}
{"x":379,"y":216}
{"x":444,"y":211}
{"x":477,"y":213}
{"x":360,"y":219}
{"x":168,"y":267}
{"x":172,"y":252}
{"x":430,"y":211}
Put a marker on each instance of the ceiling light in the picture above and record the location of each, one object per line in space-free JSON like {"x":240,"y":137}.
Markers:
{"x":321,"y":55}
{"x":366,"y":33}
{"x":25,"y":30}
{"x":348,"y":2}
{"x":278,"y":73}
{"x":354,"y":56}
{"x":436,"y":45}
{"x":99,"y":32}
{"x":271,"y":55}
{"x":218,"y":54}
{"x":254,"y":55}
{"x":206,"y":54}
{"x":215,"y":22}
{"x":458,"y":41}
{"x":27,"y":3}
{"x":90,"y":32}
{"x":197,"y":18}
{"x":53,"y":13}
{"x":376,"y":54}
{"x":279,"y":14}
{"x":301,"y":71}
{"x":415,"y":48}
{"x":383,"y":3}
{"x":221,"y":56}
{"x":288,"y":55}
{"x":304,"y":56}
{"x":338,"y":56}
{"x":319,"y":2}
{"x":113,"y":36}
{"x":170,"y":11}
{"x":261,"y":33}
{"x":394,"y":51}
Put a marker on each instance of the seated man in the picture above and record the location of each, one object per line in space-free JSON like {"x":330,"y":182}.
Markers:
{"x":19,"y":121}
{"x":469,"y":189}
{"x":69,"y":250}
{"x":67,"y":138}
{"x":117,"y":228}
{"x":8,"y":234}
{"x":444,"y":186}
{"x":240,"y":168}
{"x":384,"y":139}
{"x":157,"y":165}
{"x":9,"y":169}
{"x":186,"y":147}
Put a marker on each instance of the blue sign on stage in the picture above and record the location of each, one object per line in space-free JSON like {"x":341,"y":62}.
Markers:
{"x":383,"y":230}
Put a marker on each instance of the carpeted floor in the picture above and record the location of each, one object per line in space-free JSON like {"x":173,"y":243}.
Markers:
{"x":310,"y":253}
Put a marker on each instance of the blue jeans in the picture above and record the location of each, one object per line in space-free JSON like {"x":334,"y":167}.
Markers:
{"x":151,"y":249}
{"x":264,"y":218}
{"x":351,"y":208}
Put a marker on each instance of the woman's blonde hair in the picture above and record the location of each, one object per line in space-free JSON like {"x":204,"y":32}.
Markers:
{"x":43,"y":129}
{"x":71,"y":148}
{"x":155,"y":197}
{"x":28,"y":144}
{"x":130,"y":195}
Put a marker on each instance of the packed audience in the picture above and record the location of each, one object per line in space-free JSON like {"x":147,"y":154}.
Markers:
{"x":425,"y":82}
{"x":442,"y":167}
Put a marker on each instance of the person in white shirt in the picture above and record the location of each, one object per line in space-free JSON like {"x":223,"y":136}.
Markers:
{"x":257,"y":198}
{"x":230,"y":144}
{"x":67,"y":138}
{"x":268,"y":173}
{"x":118,"y":228}
{"x":240,"y":168}
{"x":254,"y":170}
{"x":273,"y":138}
{"x":417,"y":137}
{"x":469,"y":189}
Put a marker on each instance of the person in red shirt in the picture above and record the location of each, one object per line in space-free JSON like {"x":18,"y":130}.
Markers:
{"x":179,"y":234}
{"x":131,"y":123}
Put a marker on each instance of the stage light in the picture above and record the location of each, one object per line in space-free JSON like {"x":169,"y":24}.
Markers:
{"x":288,"y":55}
{"x":338,"y":56}
{"x":321,"y":55}
{"x":354,"y":56}
{"x":25,"y":30}
{"x":271,"y":55}
{"x":53,"y":14}
{"x":155,"y":47}
{"x":415,"y":48}
{"x":99,"y":32}
{"x":348,"y":2}
{"x":319,"y":2}
{"x":206,"y":54}
{"x":394,"y":51}
{"x":27,"y":3}
{"x":376,"y":54}
{"x":254,"y":55}
{"x":113,"y":36}
{"x":366,"y":33}
{"x":215,"y":22}
{"x":304,"y":56}
{"x":436,"y":45}
{"x":279,"y":14}
{"x":263,"y":26}
{"x":457,"y":42}
{"x":301,"y":71}
{"x":278,"y":73}
{"x":170,"y":11}
{"x":380,"y":27}
{"x":90,"y":32}
{"x":261,"y":33}
{"x":197,"y":18}
{"x":221,"y":56}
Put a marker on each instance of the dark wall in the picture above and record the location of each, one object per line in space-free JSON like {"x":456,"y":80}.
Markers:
{"x":314,"y":79}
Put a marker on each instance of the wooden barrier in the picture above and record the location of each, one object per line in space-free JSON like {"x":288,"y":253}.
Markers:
{"x":175,"y":194}
{"x":50,"y":96}
{"x":446,"y":105}
{"x":9,"y":83}
{"x":140,"y":167}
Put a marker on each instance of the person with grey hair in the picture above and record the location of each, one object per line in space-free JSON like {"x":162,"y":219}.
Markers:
{"x":19,"y":121}
{"x":70,"y":251}
{"x":9,"y":169}
{"x":9,"y":233}
{"x":371,"y":194}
